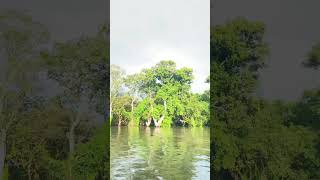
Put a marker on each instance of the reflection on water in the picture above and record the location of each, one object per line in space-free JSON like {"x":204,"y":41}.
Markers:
{"x":160,"y":153}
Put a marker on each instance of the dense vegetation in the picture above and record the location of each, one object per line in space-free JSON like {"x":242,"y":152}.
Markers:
{"x":157,"y":96}
{"x":252,"y":138}
{"x":52,"y":134}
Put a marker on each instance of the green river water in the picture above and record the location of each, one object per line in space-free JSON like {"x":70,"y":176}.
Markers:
{"x":160,"y":153}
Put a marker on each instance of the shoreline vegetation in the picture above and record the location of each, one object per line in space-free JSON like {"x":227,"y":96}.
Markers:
{"x":159,"y":96}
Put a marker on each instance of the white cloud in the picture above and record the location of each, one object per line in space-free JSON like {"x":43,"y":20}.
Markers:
{"x":143,"y":32}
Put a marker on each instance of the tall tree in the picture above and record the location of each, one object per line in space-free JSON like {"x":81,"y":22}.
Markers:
{"x":20,"y":40}
{"x":164,"y":87}
{"x":308,"y":109}
{"x":238,"y":51}
{"x":116,"y":84}
{"x":253,"y":138}
{"x":133,"y":83}
{"x":80,"y":69}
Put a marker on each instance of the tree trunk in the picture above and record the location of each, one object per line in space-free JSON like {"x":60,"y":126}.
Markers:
{"x":110,"y":113}
{"x":148,"y":122}
{"x":119,"y":122}
{"x":106,"y":110}
{"x":71,"y":141}
{"x":71,"y":137}
{"x":74,"y":124}
{"x":132,"y":121}
{"x":182,"y":121}
{"x":71,"y":150}
{"x":29,"y":172}
{"x":2,"y":151}
{"x":158,"y":123}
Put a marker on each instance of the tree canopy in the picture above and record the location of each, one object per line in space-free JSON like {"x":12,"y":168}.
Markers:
{"x":159,"y":96}
{"x":252,"y":138}
{"x":46,"y":136}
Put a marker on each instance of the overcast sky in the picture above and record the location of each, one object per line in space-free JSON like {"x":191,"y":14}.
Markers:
{"x":65,"y":19}
{"x":292,"y":28}
{"x":143,"y":32}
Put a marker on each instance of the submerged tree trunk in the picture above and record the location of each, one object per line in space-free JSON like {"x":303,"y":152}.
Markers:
{"x":159,"y":122}
{"x":132,"y":102}
{"x":2,"y":151}
{"x":110,"y":113}
{"x":183,"y":122}
{"x":148,"y":121}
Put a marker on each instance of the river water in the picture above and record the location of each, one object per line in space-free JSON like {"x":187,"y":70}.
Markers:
{"x":160,"y":153}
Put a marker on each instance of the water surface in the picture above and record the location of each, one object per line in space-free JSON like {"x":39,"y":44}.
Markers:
{"x":160,"y":153}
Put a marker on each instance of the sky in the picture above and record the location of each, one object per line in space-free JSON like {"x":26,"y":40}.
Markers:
{"x":144,"y":32}
{"x":292,"y":29}
{"x":65,"y":20}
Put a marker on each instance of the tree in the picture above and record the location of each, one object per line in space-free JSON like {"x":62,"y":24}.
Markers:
{"x":116,"y":84}
{"x":160,"y":96}
{"x":121,"y":110}
{"x":237,"y":52}
{"x":20,"y":39}
{"x":28,"y":145}
{"x":313,"y":58}
{"x":252,"y":138}
{"x":99,"y":71}
{"x":307,"y":110}
{"x":78,"y":67}
{"x":163,"y":86}
{"x":133,"y":83}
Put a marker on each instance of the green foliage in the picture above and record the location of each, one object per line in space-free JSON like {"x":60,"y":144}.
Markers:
{"x":89,"y":157}
{"x":35,"y":129}
{"x":313,"y":59}
{"x":160,"y":92}
{"x":238,"y":45}
{"x":141,"y":112}
{"x":253,"y":138}
{"x":116,"y":81}
{"x":307,"y":111}
{"x":55,"y":169}
{"x":120,"y":113}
